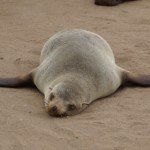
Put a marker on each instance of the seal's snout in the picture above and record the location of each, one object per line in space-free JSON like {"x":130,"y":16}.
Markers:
{"x":53,"y":109}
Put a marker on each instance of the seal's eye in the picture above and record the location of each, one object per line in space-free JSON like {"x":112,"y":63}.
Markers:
{"x":51,"y":96}
{"x":71,"y":107}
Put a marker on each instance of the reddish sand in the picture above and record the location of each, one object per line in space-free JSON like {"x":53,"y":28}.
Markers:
{"x":118,"y":122}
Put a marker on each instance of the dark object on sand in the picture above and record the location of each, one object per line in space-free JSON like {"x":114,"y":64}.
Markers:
{"x":109,"y":2}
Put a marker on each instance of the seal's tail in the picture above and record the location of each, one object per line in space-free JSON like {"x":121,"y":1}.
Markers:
{"x":19,"y":81}
{"x":137,"y":79}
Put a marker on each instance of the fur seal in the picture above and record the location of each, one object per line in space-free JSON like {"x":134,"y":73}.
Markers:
{"x":110,"y":2}
{"x":76,"y":67}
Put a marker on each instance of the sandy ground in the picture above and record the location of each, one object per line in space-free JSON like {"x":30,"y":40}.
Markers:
{"x":118,"y":122}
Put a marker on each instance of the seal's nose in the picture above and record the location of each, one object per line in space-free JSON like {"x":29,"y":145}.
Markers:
{"x":53,"y":109}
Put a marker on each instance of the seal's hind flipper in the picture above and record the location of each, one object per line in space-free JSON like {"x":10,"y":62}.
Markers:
{"x":19,"y":81}
{"x":137,"y":79}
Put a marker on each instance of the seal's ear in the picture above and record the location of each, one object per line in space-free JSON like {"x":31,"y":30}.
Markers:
{"x":51,"y":96}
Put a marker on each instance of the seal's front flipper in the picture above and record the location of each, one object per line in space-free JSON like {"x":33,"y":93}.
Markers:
{"x":137,"y":79}
{"x":19,"y":81}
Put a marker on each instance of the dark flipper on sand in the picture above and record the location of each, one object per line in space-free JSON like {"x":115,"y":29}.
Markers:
{"x":137,"y":79}
{"x":108,"y":2}
{"x":19,"y":81}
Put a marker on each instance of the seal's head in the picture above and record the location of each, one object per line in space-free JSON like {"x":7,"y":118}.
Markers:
{"x":64,"y":99}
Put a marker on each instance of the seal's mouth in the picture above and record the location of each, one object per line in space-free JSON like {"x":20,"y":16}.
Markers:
{"x":54,"y":111}
{"x":58,"y":115}
{"x":64,"y":114}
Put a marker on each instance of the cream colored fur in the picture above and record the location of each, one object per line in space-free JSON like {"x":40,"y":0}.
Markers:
{"x":82,"y":57}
